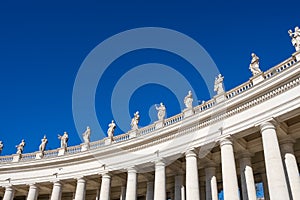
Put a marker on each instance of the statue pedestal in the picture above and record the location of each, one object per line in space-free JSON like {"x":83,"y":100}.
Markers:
{"x":188,"y":112}
{"x":61,"y":151}
{"x":220,"y":98}
{"x":297,"y":55}
{"x":16,"y":157}
{"x":159,"y":124}
{"x":133,"y":133}
{"x":85,"y":147}
{"x":108,"y":141}
{"x":39,"y":155}
{"x":257,"y":79}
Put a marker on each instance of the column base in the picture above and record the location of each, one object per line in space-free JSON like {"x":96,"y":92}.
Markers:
{"x":297,"y":55}
{"x":159,"y":124}
{"x":108,"y":141}
{"x":17,"y":158}
{"x":188,"y":112}
{"x":133,"y":133}
{"x":220,"y":98}
{"x":39,"y":155}
{"x":257,"y":79}
{"x":61,"y":152}
{"x":85,"y":147}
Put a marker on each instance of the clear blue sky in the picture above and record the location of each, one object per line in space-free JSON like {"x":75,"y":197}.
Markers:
{"x":43,"y":44}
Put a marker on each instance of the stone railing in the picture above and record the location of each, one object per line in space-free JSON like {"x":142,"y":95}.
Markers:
{"x":204,"y":106}
{"x":146,"y":130}
{"x":280,"y":67}
{"x":167,"y":122}
{"x":173,"y":119}
{"x":239,"y":89}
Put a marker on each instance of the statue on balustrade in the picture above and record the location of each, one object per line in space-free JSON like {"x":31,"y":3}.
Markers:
{"x":43,"y":144}
{"x":188,"y":100}
{"x":295,"y":38}
{"x":161,"y":111}
{"x":87,"y":135}
{"x":254,"y":65}
{"x":64,"y":140}
{"x":219,"y":88}
{"x":111,"y":130}
{"x":1,"y":146}
{"x":135,"y":121}
{"x":20,"y":147}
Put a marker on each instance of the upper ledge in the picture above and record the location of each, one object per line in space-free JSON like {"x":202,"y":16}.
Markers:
{"x":203,"y":113}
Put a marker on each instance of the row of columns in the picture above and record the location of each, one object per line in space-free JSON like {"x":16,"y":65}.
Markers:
{"x":279,"y":176}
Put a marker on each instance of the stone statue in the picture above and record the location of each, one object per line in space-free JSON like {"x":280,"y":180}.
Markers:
{"x":43,"y":144}
{"x":188,"y":100}
{"x":219,"y":88}
{"x":161,"y":111}
{"x":1,"y":146}
{"x":86,"y":135}
{"x":63,"y":140}
{"x":135,"y":121}
{"x":20,"y":147}
{"x":295,"y":38}
{"x":111,"y":130}
{"x":254,"y":65}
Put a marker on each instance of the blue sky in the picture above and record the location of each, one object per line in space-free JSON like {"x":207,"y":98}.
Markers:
{"x":43,"y":45}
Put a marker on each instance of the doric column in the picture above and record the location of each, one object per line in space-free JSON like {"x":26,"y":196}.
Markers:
{"x":247,"y":178}
{"x":150,"y":190}
{"x":131,"y":189}
{"x":80,"y":189}
{"x":265,"y":186}
{"x":123,"y":192}
{"x":178,"y":186}
{"x":192,"y":182}
{"x":105,"y":187}
{"x":160,"y":181}
{"x":56,"y":191}
{"x":273,"y":162}
{"x":211,"y":183}
{"x":291,"y":167}
{"x":9,"y":193}
{"x":230,"y":183}
{"x":182,"y":192}
{"x":33,"y":192}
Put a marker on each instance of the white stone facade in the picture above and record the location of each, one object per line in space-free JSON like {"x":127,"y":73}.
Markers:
{"x":247,"y":135}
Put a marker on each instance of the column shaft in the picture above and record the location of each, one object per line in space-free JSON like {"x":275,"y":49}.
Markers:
{"x":80,"y":189}
{"x":33,"y":192}
{"x":150,"y":191}
{"x":131,"y":189}
{"x":160,"y":181}
{"x":123,"y":193}
{"x":265,"y":186}
{"x":105,"y":187}
{"x":9,"y":193}
{"x":274,"y":167}
{"x":178,"y":185}
{"x":211,"y":183}
{"x":247,"y":178}
{"x":192,"y":180}
{"x":56,"y":191}
{"x":291,"y":167}
{"x":230,"y":183}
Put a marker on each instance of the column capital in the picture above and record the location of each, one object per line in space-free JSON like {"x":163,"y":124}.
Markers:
{"x":244,"y":154}
{"x":81,"y":179}
{"x":106,"y":175}
{"x":226,"y":140}
{"x":160,"y":162}
{"x":132,"y":170}
{"x":190,"y":153}
{"x":287,"y":141}
{"x":270,"y":124}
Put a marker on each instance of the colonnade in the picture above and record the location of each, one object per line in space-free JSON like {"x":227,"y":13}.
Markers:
{"x":281,"y":169}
